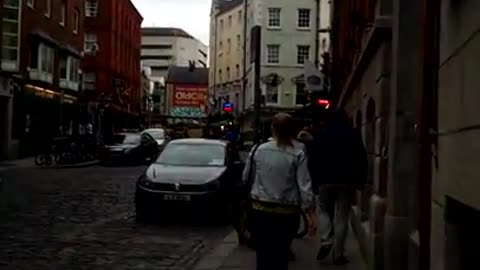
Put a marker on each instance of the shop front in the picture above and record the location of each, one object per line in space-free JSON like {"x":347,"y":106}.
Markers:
{"x":40,"y":115}
{"x":7,"y":89}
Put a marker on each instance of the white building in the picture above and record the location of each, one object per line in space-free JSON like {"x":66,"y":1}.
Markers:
{"x":163,"y":47}
{"x":290,"y":32}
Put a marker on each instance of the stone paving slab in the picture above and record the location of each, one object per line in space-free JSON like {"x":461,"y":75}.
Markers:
{"x":229,"y":256}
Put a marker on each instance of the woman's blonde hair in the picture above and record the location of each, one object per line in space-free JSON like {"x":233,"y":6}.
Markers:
{"x":283,"y":129}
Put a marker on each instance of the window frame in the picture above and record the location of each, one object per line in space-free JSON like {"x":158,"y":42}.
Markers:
{"x":48,"y":9}
{"x":89,"y":80}
{"x":271,"y":19}
{"x":271,"y":97}
{"x":90,"y":41}
{"x":76,"y":21}
{"x":302,"y":20}
{"x":63,"y":13}
{"x":305,"y":59}
{"x":271,"y":56}
{"x":303,"y":93}
{"x":91,"y":8}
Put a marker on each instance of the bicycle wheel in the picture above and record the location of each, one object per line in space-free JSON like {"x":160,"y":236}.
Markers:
{"x":40,"y":159}
{"x":303,"y":227}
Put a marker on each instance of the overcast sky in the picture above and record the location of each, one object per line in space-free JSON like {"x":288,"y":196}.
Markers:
{"x":191,"y":15}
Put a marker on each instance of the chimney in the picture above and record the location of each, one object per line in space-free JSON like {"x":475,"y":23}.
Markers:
{"x":191,"y":65}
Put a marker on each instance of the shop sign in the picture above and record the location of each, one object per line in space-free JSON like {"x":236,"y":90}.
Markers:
{"x":189,"y":96}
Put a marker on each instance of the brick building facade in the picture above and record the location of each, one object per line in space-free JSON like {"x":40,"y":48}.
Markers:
{"x":112,"y":71}
{"x":42,"y":44}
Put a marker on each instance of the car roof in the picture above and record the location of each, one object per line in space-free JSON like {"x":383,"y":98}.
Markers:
{"x":153,"y":129}
{"x":199,"y":141}
{"x":128,"y":134}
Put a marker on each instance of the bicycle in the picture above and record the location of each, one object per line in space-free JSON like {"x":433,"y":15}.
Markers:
{"x":45,"y":157}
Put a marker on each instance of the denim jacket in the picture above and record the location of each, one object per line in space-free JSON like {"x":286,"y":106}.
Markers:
{"x":280,"y":175}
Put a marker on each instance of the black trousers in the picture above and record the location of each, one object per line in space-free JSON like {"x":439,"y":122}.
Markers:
{"x":273,"y":233}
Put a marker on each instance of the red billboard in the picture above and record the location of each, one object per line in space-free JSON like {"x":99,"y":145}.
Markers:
{"x":189,"y":96}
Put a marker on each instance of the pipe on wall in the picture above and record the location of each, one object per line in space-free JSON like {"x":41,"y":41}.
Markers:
{"x":426,"y":121}
{"x":317,"y":34}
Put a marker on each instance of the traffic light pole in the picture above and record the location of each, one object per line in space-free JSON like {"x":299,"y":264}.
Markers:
{"x":256,"y":46}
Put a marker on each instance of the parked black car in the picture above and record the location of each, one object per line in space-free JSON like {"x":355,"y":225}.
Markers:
{"x":189,"y":174}
{"x":131,"y":148}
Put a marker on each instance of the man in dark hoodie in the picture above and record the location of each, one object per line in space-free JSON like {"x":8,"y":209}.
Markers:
{"x":342,"y":160}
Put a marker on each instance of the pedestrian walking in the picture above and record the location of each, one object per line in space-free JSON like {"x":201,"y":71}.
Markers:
{"x":343,"y":161}
{"x":280,"y":188}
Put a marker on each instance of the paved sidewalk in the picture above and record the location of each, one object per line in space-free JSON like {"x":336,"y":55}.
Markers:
{"x":229,"y":256}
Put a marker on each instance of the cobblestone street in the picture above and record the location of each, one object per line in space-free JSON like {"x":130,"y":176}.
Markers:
{"x":84,"y":219}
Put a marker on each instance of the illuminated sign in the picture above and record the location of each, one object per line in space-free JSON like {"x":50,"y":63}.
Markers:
{"x":189,"y":96}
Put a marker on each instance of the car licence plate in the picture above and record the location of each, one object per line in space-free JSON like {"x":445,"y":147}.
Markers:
{"x":176,"y":197}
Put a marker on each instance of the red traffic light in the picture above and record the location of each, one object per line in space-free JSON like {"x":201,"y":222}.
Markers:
{"x":323,"y":102}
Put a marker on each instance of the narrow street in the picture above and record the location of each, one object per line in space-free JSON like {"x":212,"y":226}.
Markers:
{"x":84,"y":219}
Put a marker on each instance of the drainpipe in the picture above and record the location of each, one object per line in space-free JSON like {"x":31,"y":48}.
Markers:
{"x":215,"y":65}
{"x":427,"y":117}
{"x":317,"y":34}
{"x":244,"y":79}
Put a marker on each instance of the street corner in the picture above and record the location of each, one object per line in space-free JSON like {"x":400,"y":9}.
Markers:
{"x":215,"y":259}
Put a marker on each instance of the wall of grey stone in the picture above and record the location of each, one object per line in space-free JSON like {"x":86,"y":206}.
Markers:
{"x":459,"y":123}
{"x":370,"y":210}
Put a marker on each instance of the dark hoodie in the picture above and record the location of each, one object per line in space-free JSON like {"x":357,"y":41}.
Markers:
{"x":342,"y":158}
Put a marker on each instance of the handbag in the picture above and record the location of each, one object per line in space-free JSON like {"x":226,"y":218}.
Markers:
{"x":251,"y":172}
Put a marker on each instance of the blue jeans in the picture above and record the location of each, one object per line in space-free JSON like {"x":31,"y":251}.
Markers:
{"x":334,"y":206}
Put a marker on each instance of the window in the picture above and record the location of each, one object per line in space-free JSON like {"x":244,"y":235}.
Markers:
{"x":91,"y":8}
{"x":30,"y":3}
{"x":229,"y":45}
{"x":221,"y":24}
{"x":68,"y":67}
{"x":273,"y":54}
{"x":272,"y":94}
{"x":239,"y":43}
{"x":274,"y":17}
{"x":303,"y":54}
{"x":76,"y":18}
{"x":303,"y":18}
{"x":177,"y":154}
{"x":230,"y":21}
{"x":9,"y":32}
{"x":62,"y":66}
{"x":63,"y":13}
{"x":48,"y":9}
{"x":237,"y":67}
{"x":301,"y":94}
{"x":89,"y":81}
{"x":45,"y":59}
{"x":90,"y":43}
{"x":220,"y":79}
{"x":228,"y":74}
{"x":240,"y":18}
{"x":73,"y":67}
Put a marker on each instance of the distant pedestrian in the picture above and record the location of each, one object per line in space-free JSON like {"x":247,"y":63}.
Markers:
{"x":342,"y":160}
{"x":280,"y":188}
